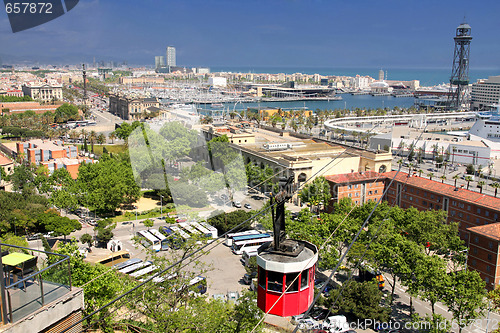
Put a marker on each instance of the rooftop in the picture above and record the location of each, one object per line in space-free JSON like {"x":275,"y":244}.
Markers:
{"x":355,"y":177}
{"x":488,"y":230}
{"x":447,"y":190}
{"x":4,"y":160}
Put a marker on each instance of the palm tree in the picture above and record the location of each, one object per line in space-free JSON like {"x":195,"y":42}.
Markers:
{"x":454,"y":149}
{"x":480,"y":184}
{"x":430,"y":175}
{"x":112,"y":137}
{"x":495,"y":186}
{"x":443,"y":178}
{"x":420,"y":172}
{"x":83,"y":133}
{"x":101,"y":138}
{"x":468,"y":179}
{"x":92,"y":139}
{"x":456,"y":177}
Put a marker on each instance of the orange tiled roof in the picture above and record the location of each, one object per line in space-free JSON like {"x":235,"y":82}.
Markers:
{"x":355,"y":177}
{"x":4,"y":160}
{"x":488,"y":230}
{"x":447,"y":190}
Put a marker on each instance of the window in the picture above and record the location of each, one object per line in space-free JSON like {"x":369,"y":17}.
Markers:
{"x":349,"y":187}
{"x":350,"y":195}
{"x":489,"y":256}
{"x":473,"y":262}
{"x":460,"y":214}
{"x":262,"y":277}
{"x":486,"y":213}
{"x":468,"y":207}
{"x":430,"y":206}
{"x":488,"y":268}
{"x":292,"y":282}
{"x":304,"y":277}
{"x":424,"y":202}
{"x":357,"y":194}
{"x":274,"y":281}
{"x":370,"y":193}
{"x":479,"y":210}
{"x":490,"y":245}
{"x":376,"y":191}
{"x":476,"y":239}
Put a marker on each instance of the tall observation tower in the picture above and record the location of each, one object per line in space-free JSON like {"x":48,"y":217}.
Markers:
{"x":459,"y":80}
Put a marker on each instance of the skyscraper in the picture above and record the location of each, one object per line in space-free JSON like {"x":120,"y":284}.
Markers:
{"x":171,"y":56}
{"x":381,"y":75}
{"x":159,"y":61}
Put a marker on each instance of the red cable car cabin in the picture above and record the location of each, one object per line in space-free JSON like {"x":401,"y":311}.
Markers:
{"x":278,"y":270}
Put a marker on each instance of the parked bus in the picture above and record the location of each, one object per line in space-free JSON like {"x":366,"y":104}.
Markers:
{"x":134,"y":267}
{"x":204,"y":231}
{"x":163,"y":240}
{"x":180,"y":232}
{"x":247,"y":237}
{"x":148,"y":240}
{"x":143,"y":271}
{"x":191,"y":230}
{"x":229,"y":237}
{"x":249,"y":244}
{"x":246,"y":255}
{"x":108,"y":259}
{"x":174,"y":241}
{"x":127,"y":263}
{"x":210,"y":228}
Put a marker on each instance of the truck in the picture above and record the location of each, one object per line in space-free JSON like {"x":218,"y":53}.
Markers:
{"x":336,"y":324}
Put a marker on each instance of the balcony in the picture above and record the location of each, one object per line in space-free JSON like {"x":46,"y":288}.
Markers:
{"x":33,"y":279}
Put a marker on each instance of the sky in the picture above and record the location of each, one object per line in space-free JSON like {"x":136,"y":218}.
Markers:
{"x":262,"y":33}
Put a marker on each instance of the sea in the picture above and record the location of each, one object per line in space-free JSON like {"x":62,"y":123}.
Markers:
{"x":426,"y":76}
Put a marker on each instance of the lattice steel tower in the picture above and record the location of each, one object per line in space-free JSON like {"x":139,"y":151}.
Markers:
{"x":459,"y":80}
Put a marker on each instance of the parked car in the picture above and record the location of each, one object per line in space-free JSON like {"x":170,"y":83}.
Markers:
{"x":248,"y":206}
{"x":319,"y":313}
{"x":237,"y":204}
{"x":308,"y":323}
{"x":248,"y":277}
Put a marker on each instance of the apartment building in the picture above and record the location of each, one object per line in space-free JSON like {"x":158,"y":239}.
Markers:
{"x":361,"y":187}
{"x":53,"y":155}
{"x":485,"y":93}
{"x":483,"y":253}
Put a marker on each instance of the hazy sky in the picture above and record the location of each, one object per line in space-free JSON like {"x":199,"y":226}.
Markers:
{"x":285,"y":33}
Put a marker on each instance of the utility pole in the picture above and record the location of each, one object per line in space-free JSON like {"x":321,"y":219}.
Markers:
{"x":84,"y":88}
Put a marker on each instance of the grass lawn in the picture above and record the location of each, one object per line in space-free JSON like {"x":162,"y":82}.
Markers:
{"x":115,"y":149}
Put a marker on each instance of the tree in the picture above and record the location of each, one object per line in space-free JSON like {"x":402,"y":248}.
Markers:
{"x":148,"y":223}
{"x":495,"y":186}
{"x":59,"y":225}
{"x":107,"y":184}
{"x":430,"y":175}
{"x":112,"y":137}
{"x":470,"y":169}
{"x":465,"y":296}
{"x":443,"y":178}
{"x":361,"y":299}
{"x":480,"y":184}
{"x":87,"y":239}
{"x":316,"y":193}
{"x":227,"y":221}
{"x":66,"y":112}
{"x":468,"y":179}
{"x":101,"y":139}
{"x":456,"y":177}
{"x":431,"y":279}
{"x":104,"y":230}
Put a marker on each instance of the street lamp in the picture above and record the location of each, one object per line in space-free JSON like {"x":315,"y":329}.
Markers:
{"x":161,"y":206}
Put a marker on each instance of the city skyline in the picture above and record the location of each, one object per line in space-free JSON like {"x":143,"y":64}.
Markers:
{"x":386,"y":34}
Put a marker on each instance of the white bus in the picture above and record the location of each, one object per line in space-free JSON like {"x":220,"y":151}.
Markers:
{"x":192,"y":231}
{"x":204,"y":231}
{"x":247,"y":254}
{"x":148,"y":240}
{"x":161,"y":237}
{"x":210,"y":228}
{"x":144,"y":271}
{"x":249,"y":244}
{"x":134,"y":267}
{"x":229,"y":237}
{"x":180,"y":232}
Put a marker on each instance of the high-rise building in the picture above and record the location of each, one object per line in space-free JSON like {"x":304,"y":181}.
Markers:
{"x":159,"y":61}
{"x":485,"y":94}
{"x":381,"y":75}
{"x":171,"y":56}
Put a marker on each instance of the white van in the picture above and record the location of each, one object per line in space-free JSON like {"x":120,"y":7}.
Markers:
{"x":247,"y":254}
{"x":336,"y":324}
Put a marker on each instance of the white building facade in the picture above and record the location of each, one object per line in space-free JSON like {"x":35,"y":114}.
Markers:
{"x":485,"y":93}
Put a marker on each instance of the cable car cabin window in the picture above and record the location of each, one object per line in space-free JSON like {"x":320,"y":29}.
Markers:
{"x":262,"y":277}
{"x":303,"y":279}
{"x":274,"y":281}
{"x":292,"y":282}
